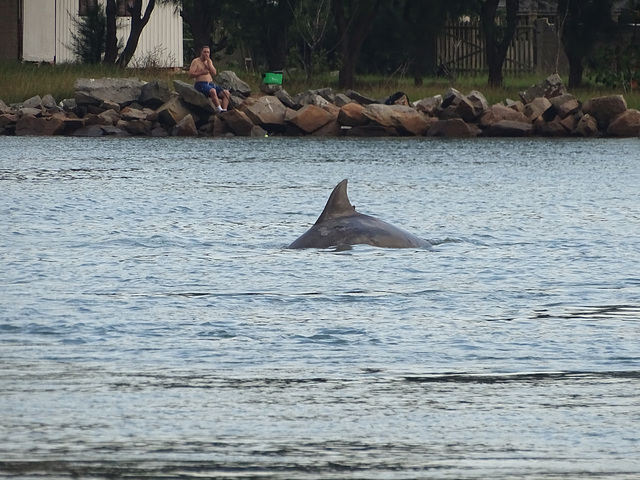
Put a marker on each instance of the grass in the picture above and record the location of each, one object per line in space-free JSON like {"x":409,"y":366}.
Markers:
{"x":19,"y":82}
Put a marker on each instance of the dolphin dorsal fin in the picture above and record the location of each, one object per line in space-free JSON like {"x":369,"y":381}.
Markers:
{"x":338,"y":204}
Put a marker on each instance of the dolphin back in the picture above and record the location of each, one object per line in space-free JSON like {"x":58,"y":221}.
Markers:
{"x":340,"y":225}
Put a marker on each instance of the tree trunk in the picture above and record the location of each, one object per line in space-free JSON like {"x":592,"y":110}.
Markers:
{"x":352,"y":31}
{"x":138,"y":22}
{"x":497,"y":39}
{"x":111,"y":48}
{"x":576,"y":69}
{"x":200,"y":19}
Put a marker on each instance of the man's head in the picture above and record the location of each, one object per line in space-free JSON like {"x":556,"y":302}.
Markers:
{"x":205,"y":52}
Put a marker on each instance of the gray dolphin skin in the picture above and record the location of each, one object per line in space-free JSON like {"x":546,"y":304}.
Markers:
{"x":340,"y":225}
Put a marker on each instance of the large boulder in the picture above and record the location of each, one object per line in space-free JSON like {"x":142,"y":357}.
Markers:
{"x":565,"y":105}
{"x":587,"y":127}
{"x":185,"y":128}
{"x":172,"y":112}
{"x":471,"y":107}
{"x":352,"y":115}
{"x":267,"y":112}
{"x":455,"y":127}
{"x":496,"y":113}
{"x":309,"y":118}
{"x":193,"y":97}
{"x":29,"y":125}
{"x":230,"y":81}
{"x":357,"y":97}
{"x":509,"y":128}
{"x":429,"y":105}
{"x":550,"y":87}
{"x":605,"y":109}
{"x":123,"y":91}
{"x":536,"y":108}
{"x":627,"y":124}
{"x":239,"y":123}
{"x":155,"y":94}
{"x":381,"y":114}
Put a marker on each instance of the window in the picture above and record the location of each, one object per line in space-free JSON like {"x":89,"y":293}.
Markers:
{"x":124,"y":8}
{"x":86,"y":6}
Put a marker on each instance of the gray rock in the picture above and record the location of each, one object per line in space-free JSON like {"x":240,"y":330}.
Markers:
{"x":230,"y":81}
{"x":190,"y":95}
{"x":550,"y":87}
{"x":154,"y":94}
{"x":361,"y":99}
{"x":284,"y":97}
{"x":122,"y":91}
{"x":33,"y":102}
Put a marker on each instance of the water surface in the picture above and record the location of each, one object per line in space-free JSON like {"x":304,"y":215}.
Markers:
{"x":153,"y":324}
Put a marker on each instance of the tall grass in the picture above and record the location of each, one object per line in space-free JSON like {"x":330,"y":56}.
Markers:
{"x":19,"y":82}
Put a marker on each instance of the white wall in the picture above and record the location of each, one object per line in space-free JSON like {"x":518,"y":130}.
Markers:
{"x":48,"y":25}
{"x":39,"y":30}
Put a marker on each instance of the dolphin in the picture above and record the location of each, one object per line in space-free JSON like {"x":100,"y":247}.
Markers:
{"x":340,"y":225}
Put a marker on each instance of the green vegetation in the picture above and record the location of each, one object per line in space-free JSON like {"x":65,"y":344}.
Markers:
{"x":19,"y":82}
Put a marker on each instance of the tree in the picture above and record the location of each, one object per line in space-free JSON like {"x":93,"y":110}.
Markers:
{"x":311,"y":22}
{"x":497,"y":37}
{"x":111,"y":46}
{"x":424,"y":21}
{"x":138,"y":22}
{"x":353,"y":19}
{"x":89,"y":43}
{"x":584,"y":23}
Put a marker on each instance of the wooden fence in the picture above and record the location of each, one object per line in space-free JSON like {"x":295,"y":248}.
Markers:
{"x":461,"y":49}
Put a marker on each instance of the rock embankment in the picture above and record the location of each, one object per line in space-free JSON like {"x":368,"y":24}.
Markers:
{"x":124,"y":107}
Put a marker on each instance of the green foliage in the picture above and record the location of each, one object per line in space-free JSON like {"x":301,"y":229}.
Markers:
{"x":89,"y":43}
{"x":616,"y":66}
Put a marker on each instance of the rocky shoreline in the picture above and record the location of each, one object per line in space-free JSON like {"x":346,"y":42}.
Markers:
{"x":130,"y":107}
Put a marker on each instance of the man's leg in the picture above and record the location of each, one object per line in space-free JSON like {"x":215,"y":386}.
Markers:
{"x":214,"y":97}
{"x":225,"y":99}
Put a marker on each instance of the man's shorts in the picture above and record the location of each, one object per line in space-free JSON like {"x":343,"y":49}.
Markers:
{"x":206,"y":87}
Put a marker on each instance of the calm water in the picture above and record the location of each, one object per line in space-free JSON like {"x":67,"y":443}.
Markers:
{"x":153,"y":324}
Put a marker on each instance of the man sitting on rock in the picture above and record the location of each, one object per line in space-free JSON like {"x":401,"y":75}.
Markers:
{"x":203,"y":71}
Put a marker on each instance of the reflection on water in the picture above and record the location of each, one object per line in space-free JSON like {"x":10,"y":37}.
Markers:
{"x":153,"y":324}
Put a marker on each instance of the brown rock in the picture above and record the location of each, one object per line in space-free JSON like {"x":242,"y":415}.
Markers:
{"x":136,"y":127}
{"x":455,"y":127}
{"x":185,"y":128}
{"x":565,"y":105}
{"x":627,"y":124}
{"x":266,"y":111}
{"x":381,"y":114}
{"x":429,"y":105}
{"x":605,"y":109}
{"x":509,"y":128}
{"x":352,"y":115}
{"x":331,"y":129}
{"x":408,"y":121}
{"x":8,"y":119}
{"x":537,"y":108}
{"x":552,"y":128}
{"x":239,"y":123}
{"x":172,"y":112}
{"x":496,"y":113}
{"x":28,"y":125}
{"x":309,"y":118}
{"x":587,"y":127}
{"x":471,"y":107}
